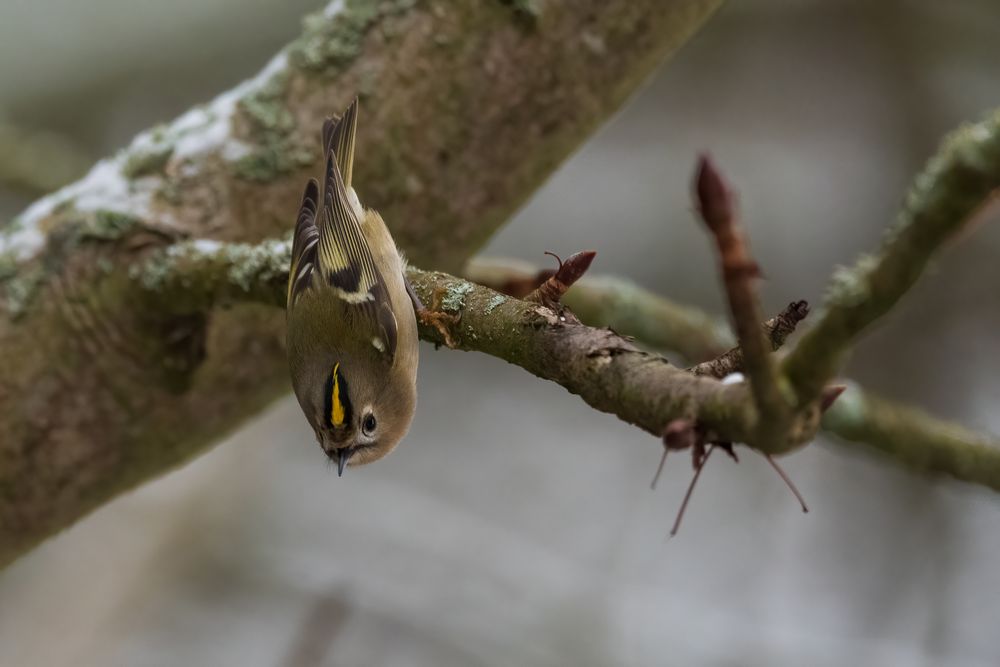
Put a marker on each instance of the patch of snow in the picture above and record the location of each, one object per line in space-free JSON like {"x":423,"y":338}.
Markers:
{"x":733,"y":378}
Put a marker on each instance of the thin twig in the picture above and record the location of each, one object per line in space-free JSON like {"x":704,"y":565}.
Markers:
{"x":690,"y":490}
{"x":716,"y":204}
{"x":777,"y":330}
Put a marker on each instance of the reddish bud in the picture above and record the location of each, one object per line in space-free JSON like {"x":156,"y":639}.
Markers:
{"x":575,"y":266}
{"x":552,"y":288}
{"x":715,"y":200}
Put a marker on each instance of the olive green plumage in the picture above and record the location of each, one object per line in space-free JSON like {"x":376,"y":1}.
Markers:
{"x":352,"y":332}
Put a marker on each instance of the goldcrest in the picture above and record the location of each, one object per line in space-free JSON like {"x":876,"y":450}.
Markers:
{"x":351,"y":328}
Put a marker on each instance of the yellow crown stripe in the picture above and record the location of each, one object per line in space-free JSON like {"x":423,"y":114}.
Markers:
{"x":337,"y":406}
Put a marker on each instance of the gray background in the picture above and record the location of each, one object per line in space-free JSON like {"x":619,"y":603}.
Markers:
{"x":515,"y":525}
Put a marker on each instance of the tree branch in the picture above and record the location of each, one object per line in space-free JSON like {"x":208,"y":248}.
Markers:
{"x":717,"y":207}
{"x":606,"y":370}
{"x":617,"y":303}
{"x":956,"y":184}
{"x":914,"y":439}
{"x":468,"y":107}
{"x":909,"y":437}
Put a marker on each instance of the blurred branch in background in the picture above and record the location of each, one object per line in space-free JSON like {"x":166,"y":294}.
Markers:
{"x":915,"y":439}
{"x":38,"y":161}
{"x":468,"y":108}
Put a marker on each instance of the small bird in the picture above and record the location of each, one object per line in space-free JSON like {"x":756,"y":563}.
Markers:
{"x":351,"y":323}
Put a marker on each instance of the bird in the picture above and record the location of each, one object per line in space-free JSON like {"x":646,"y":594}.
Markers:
{"x":351,"y":329}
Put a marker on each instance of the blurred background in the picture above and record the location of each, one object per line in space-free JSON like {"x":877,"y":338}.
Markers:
{"x":516,"y":526}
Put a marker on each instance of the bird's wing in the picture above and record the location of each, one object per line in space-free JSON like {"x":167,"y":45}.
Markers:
{"x":344,"y":258}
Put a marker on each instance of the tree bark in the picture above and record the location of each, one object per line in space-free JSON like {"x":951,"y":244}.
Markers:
{"x":466,"y":108}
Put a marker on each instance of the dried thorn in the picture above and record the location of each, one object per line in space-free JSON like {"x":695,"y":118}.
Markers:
{"x":727,"y":447}
{"x":659,"y":468}
{"x":830,"y":395}
{"x":558,"y":259}
{"x":788,"y":481}
{"x":690,"y":490}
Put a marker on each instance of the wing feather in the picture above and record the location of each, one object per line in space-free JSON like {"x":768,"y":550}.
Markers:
{"x":304,"y":242}
{"x":339,"y":136}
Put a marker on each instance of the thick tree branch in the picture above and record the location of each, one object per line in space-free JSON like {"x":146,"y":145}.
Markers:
{"x":467,"y":108}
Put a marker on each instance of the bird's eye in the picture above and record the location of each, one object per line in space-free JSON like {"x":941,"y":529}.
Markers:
{"x":369,"y":424}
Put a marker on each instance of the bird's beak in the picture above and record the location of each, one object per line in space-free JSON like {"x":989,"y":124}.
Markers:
{"x":342,"y":456}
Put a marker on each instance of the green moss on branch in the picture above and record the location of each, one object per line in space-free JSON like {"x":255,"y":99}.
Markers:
{"x":622,"y":305}
{"x":914,"y":439}
{"x":944,"y":199}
